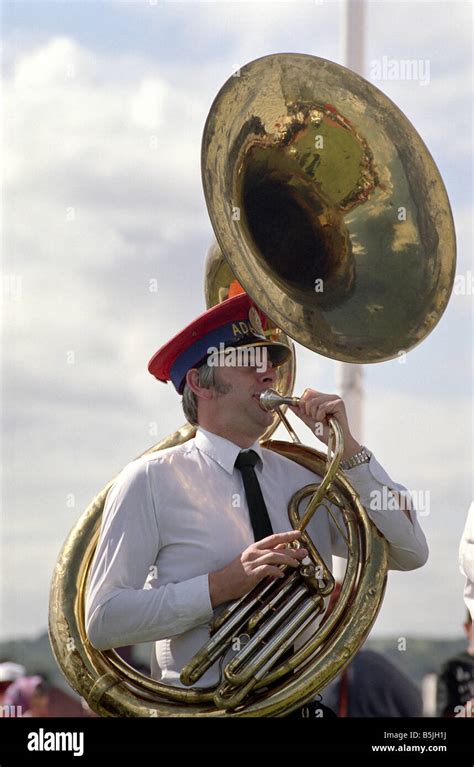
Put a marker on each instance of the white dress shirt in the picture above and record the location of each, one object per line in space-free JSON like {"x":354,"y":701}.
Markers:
{"x":173,"y":516}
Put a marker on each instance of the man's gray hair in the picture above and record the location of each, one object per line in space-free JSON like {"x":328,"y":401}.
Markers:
{"x":189,"y":401}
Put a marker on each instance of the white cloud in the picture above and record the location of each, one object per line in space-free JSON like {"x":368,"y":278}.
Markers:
{"x":148,"y":105}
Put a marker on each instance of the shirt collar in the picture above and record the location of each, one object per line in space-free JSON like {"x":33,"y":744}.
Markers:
{"x":221,"y":450}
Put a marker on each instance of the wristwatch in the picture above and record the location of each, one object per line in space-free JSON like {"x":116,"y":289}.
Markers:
{"x":363,"y":456}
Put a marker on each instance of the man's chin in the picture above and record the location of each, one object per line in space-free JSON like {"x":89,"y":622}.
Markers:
{"x":264,"y":418}
{"x":261,"y":418}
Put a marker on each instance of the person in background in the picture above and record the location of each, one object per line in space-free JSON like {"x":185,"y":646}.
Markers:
{"x":28,"y":696}
{"x":9,"y":673}
{"x":455,"y":689}
{"x":371,"y":685}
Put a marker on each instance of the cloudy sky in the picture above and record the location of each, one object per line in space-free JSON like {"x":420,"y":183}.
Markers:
{"x":104,"y":107}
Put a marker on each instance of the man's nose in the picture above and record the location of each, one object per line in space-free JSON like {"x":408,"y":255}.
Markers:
{"x":268,"y":375}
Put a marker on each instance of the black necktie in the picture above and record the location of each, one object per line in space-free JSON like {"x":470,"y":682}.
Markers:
{"x":259,"y":518}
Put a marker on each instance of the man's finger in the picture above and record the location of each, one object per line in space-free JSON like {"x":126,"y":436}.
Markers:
{"x":285,"y":556}
{"x":265,"y":570}
{"x":272,"y":541}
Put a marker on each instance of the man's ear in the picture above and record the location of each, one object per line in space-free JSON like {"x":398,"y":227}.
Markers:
{"x":192,"y":380}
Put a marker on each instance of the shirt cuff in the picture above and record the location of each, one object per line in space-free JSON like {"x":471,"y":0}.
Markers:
{"x":369,"y":480}
{"x":408,"y":548}
{"x":194,"y":601}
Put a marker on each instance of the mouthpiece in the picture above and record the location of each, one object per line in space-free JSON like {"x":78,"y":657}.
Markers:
{"x":270,"y":400}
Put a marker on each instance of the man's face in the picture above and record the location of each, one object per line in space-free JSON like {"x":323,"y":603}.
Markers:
{"x":236,"y":397}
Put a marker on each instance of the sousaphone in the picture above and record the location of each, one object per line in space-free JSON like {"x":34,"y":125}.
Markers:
{"x":330,"y":212}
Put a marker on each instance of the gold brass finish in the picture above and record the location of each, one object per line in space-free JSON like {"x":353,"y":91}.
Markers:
{"x":328,"y":207}
{"x":331,"y":214}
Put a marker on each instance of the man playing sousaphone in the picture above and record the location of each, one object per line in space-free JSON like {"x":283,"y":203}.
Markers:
{"x":187,"y":529}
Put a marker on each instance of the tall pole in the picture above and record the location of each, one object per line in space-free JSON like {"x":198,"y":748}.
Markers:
{"x":353,"y":35}
{"x":349,"y":377}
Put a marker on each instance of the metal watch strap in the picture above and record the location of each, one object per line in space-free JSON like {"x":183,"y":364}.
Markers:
{"x":363,"y":456}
